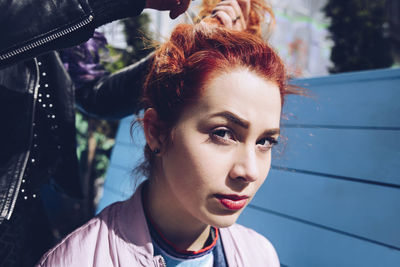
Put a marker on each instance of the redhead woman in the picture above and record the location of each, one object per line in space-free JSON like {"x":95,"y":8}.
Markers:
{"x":213,"y":101}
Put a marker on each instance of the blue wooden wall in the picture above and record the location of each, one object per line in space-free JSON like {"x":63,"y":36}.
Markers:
{"x":332,"y":197}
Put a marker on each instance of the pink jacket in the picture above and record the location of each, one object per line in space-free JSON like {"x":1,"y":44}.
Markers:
{"x":119,"y":236}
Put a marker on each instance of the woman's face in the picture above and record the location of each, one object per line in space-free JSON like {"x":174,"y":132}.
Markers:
{"x":220,"y":149}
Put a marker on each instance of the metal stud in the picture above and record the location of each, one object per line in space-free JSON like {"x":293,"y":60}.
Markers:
{"x":46,"y":85}
{"x":34,"y":196}
{"x":44,"y":73}
{"x":33,"y":160}
{"x":22,"y":190}
{"x":25,"y":197}
{"x":39,"y":63}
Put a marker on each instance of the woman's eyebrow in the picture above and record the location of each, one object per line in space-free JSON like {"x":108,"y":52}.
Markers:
{"x":274,"y":131}
{"x":242,"y":122}
{"x":232,"y":118}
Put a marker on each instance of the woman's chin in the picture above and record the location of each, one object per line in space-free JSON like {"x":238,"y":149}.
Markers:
{"x":222,"y":221}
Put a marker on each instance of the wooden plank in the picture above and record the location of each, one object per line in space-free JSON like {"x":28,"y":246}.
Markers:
{"x":370,"y":155}
{"x":109,"y":197}
{"x":364,"y":210}
{"x":351,"y":77}
{"x":124,"y":136}
{"x":360,"y":102}
{"x":127,"y":156}
{"x":120,"y":184}
{"x":120,"y":180}
{"x":303,"y":245}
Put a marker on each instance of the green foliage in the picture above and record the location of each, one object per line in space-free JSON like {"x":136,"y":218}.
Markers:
{"x":138,"y":40}
{"x":358,"y":31}
{"x":117,"y":59}
{"x":81,"y":125}
{"x":138,"y":37}
{"x":103,"y":133}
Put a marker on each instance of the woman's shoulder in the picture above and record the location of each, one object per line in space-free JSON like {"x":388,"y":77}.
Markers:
{"x":261,"y":251}
{"x":86,"y":244}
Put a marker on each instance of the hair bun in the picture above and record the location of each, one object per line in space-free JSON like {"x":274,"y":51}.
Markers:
{"x":259,"y":9}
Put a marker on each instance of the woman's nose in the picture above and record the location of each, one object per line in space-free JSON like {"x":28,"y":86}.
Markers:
{"x":245,"y":166}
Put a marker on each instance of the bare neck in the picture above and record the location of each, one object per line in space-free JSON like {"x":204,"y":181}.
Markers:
{"x":177,"y":226}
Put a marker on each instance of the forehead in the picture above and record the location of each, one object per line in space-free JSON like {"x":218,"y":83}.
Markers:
{"x":244,"y":93}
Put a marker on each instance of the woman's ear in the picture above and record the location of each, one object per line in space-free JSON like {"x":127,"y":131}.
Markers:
{"x":152,"y":129}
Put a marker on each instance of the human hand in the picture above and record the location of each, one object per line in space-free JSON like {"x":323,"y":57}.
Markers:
{"x":176,"y":7}
{"x":233,"y":14}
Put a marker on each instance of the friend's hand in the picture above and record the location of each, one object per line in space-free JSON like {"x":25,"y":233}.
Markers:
{"x":176,"y":7}
{"x":233,"y":14}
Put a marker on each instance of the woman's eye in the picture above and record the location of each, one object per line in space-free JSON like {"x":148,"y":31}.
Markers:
{"x":223,"y":135}
{"x":267,"y":143}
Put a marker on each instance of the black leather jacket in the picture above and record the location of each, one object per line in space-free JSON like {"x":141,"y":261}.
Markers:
{"x":32,"y":27}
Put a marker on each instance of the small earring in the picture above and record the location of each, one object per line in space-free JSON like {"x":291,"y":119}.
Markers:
{"x":156,"y":151}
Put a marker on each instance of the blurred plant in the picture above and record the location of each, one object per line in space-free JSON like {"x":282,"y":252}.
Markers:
{"x":138,"y":41}
{"x":95,"y":140}
{"x":138,"y":37}
{"x":358,"y":29}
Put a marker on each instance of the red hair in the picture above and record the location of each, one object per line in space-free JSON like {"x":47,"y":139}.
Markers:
{"x":192,"y":56}
{"x":196,"y":52}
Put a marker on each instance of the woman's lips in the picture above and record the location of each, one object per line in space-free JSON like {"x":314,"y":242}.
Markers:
{"x":233,"y":202}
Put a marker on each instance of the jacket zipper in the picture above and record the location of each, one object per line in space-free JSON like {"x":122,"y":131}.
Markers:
{"x":47,"y":39}
{"x":21,"y":175}
{"x":23,"y":49}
